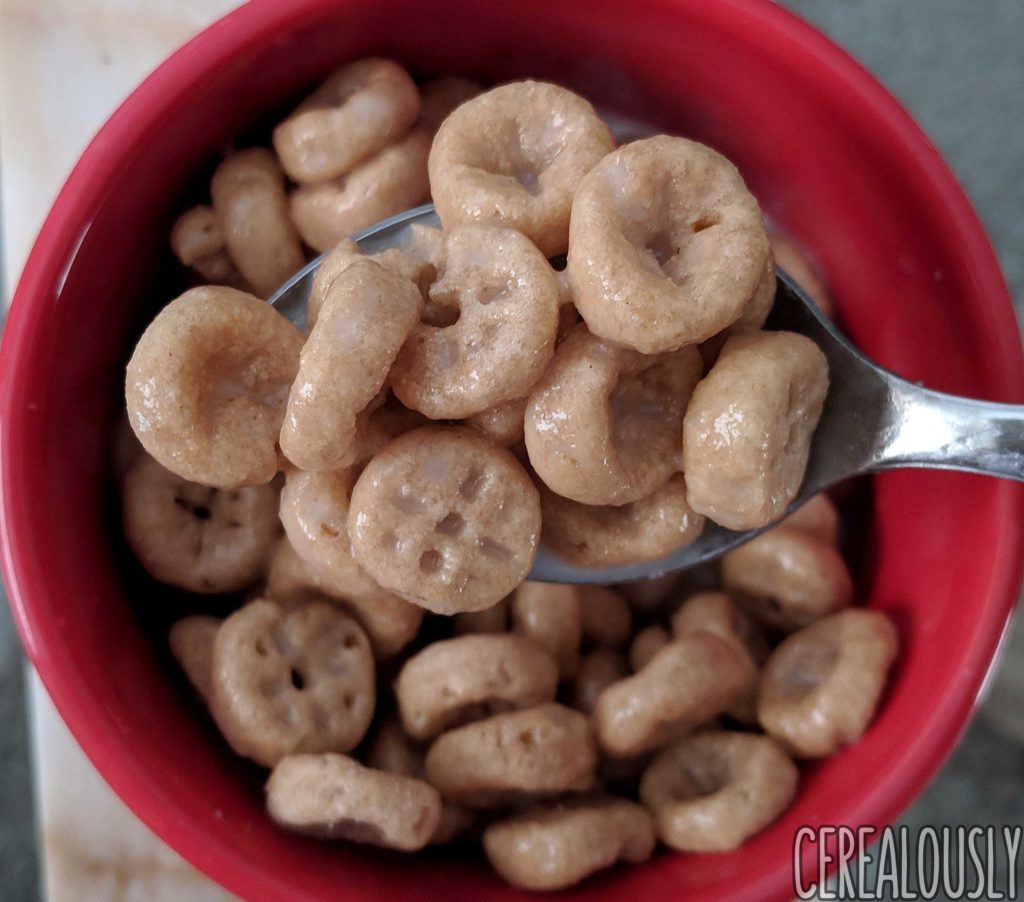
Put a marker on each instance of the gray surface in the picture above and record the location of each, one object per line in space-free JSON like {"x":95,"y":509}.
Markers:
{"x":958,"y":65}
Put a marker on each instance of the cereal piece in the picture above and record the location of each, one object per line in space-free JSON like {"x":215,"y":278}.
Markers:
{"x":818,"y":518}
{"x":392,"y":180}
{"x":197,"y":239}
{"x":287,"y":681}
{"x":646,"y":644}
{"x":514,"y":156}
{"x":712,"y":791}
{"x":787,"y":579}
{"x":471,"y":677}
{"x":753,"y":317}
{"x":507,"y":302}
{"x":793,"y":259}
{"x":602,"y":536}
{"x":691,"y":679}
{"x":207,"y":385}
{"x":445,"y":519}
{"x":541,"y":751}
{"x":556,"y":847}
{"x":249,"y":198}
{"x":191,"y":640}
{"x":194,"y":537}
{"x":502,"y":423}
{"x":357,"y":111}
{"x":603,"y":424}
{"x":366,"y":318}
{"x":490,"y":620}
{"x":442,"y":95}
{"x":597,"y":671}
{"x":820,"y":687}
{"x":549,"y":614}
{"x":605,"y":618}
{"x":648,"y":596}
{"x":747,"y":432}
{"x":666,"y":245}
{"x":335,"y":797}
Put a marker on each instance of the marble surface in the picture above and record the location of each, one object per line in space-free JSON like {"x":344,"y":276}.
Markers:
{"x":65,"y":64}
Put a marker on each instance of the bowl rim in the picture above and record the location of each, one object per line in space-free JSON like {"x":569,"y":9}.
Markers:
{"x":61,"y":233}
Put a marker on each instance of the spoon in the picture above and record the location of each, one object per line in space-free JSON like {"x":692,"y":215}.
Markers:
{"x":872,"y":420}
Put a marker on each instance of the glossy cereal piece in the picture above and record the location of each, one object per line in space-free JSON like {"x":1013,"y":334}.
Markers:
{"x":542,"y":751}
{"x":821,"y":686}
{"x":335,"y":797}
{"x":249,"y":198}
{"x":747,"y":432}
{"x":514,"y":156}
{"x":445,"y":519}
{"x":603,"y":536}
{"x":603,"y":424}
{"x":288,"y":681}
{"x":690,"y":680}
{"x":345,"y":362}
{"x":787,"y":579}
{"x":360,"y":109}
{"x":712,"y":791}
{"x":490,"y":620}
{"x":818,"y":517}
{"x":207,"y":385}
{"x":472,"y":676}
{"x":191,"y":640}
{"x":507,"y":302}
{"x":391,"y":181}
{"x":605,"y":618}
{"x":666,"y":245}
{"x":549,"y":614}
{"x":793,"y":259}
{"x":197,"y":239}
{"x":646,"y":644}
{"x":597,"y":671}
{"x":194,"y":537}
{"x":551,"y":848}
{"x":502,"y":423}
{"x":440,"y":96}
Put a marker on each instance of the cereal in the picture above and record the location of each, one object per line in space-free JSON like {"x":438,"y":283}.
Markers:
{"x":366,"y":318}
{"x":502,"y":423}
{"x":753,"y":317}
{"x":490,"y":620}
{"x":820,"y":687}
{"x":818,"y":518}
{"x":666,"y":245}
{"x":335,"y":797}
{"x":553,"y":848}
{"x":515,"y":156}
{"x":191,"y":640}
{"x":445,"y":519}
{"x":195,"y":537}
{"x":472,"y":677}
{"x":197,"y":239}
{"x":357,"y":111}
{"x":646,"y":644}
{"x":603,"y":424}
{"x":207,"y":384}
{"x":249,"y":199}
{"x":795,"y":261}
{"x":747,"y":431}
{"x":507,"y":302}
{"x":540,"y":751}
{"x":605,"y":618}
{"x":648,"y":596}
{"x":597,"y":671}
{"x":712,"y":791}
{"x":549,"y":614}
{"x":442,"y":95}
{"x":287,"y":681}
{"x":603,"y":536}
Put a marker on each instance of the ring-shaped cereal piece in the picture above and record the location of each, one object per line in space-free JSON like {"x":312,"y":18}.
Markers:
{"x":503,"y":423}
{"x":549,"y":614}
{"x":287,"y":681}
{"x":666,"y":245}
{"x":490,"y":620}
{"x":191,"y":640}
{"x":507,"y":301}
{"x":747,"y":432}
{"x":753,"y":317}
{"x":712,"y":791}
{"x":514,"y":157}
{"x":821,"y":686}
{"x":818,"y":518}
{"x":445,"y":519}
{"x":197,"y":240}
{"x":207,"y":385}
{"x":368,"y":314}
{"x":646,"y":644}
{"x":605,"y":618}
{"x":597,"y":671}
{"x":358,"y":110}
{"x":474,"y":674}
{"x":603,"y":424}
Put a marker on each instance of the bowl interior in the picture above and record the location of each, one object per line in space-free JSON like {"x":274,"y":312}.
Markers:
{"x":832,"y":159}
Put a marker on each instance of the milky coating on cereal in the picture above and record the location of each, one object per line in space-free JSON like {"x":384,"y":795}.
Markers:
{"x":502,"y":423}
{"x":514,"y":156}
{"x":197,"y":240}
{"x":712,"y":791}
{"x":549,"y":614}
{"x":191,"y":641}
{"x":287,"y":681}
{"x":439,"y":96}
{"x":550,"y":848}
{"x":335,"y":797}
{"x":446,"y":519}
{"x":392,"y":180}
{"x":747,"y":432}
{"x":207,"y":385}
{"x":603,"y":424}
{"x":597,"y":671}
{"x":603,"y":536}
{"x":821,"y":686}
{"x":666,"y":245}
{"x":507,"y":301}
{"x":360,"y":109}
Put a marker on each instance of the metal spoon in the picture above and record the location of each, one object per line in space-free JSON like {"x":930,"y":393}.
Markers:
{"x":873,"y":420}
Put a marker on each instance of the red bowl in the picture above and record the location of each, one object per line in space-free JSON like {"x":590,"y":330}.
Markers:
{"x":833,"y":158}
